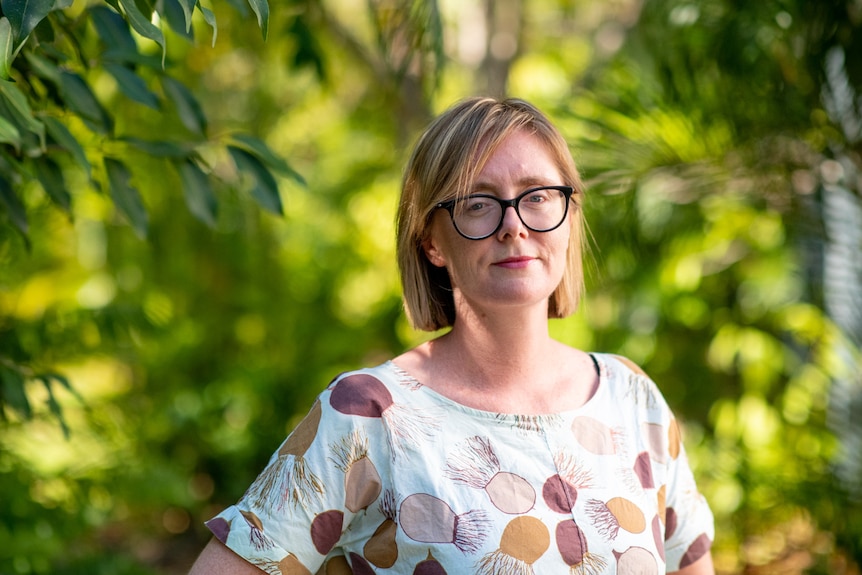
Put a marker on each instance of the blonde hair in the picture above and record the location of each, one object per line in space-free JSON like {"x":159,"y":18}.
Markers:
{"x":444,"y":164}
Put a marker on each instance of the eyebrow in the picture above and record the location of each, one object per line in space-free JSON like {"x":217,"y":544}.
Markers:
{"x":524,"y":183}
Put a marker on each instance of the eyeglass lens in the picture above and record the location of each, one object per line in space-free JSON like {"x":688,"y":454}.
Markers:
{"x":540,"y":209}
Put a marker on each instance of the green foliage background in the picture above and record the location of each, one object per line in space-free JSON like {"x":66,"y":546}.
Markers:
{"x":196,"y":235}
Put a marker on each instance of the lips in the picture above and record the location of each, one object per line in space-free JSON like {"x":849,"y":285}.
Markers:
{"x":514,"y":262}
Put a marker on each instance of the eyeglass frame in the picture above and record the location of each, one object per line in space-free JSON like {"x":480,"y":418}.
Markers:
{"x":449,"y":206}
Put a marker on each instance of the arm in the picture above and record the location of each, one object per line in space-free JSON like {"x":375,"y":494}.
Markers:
{"x":217,"y":559}
{"x":702,"y":566}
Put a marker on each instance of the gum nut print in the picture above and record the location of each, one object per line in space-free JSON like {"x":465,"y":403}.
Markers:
{"x":337,"y":565}
{"x":362,"y":484}
{"x":326,"y":529}
{"x":359,"y":565}
{"x":572,"y":545}
{"x":636,"y":561}
{"x":366,"y":396}
{"x":595,"y":436}
{"x":524,"y":540}
{"x":616,"y":513}
{"x":287,"y":478}
{"x":560,"y":491}
{"x":289,"y":565}
{"x":429,"y":566}
{"x":643,"y":470}
{"x":658,"y":536}
{"x":256,"y":535}
{"x":696,"y":550}
{"x":220,"y":528}
{"x":381,"y":549}
{"x":474,"y":463}
{"x":427,"y":519}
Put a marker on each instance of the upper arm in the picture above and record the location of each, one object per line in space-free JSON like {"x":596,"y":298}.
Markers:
{"x":217,"y":559}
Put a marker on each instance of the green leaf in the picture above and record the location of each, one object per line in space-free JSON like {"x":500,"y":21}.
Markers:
{"x":50,"y":176}
{"x":158,"y":148}
{"x":64,"y":138}
{"x":19,"y":107}
{"x":264,"y":188}
{"x":210,"y":19}
{"x":264,"y":153}
{"x":198,"y":193}
{"x":126,"y":198}
{"x":142,"y":24}
{"x":13,"y":205}
{"x":114,"y":32}
{"x":190,"y":112}
{"x":12,"y":392}
{"x":132,"y":85}
{"x":43,"y":67}
{"x":9,"y":134}
{"x":261,"y":10}
{"x":6,"y":48}
{"x":179,"y":16}
{"x":81,"y":100}
{"x":53,"y":404}
{"x":25,"y":15}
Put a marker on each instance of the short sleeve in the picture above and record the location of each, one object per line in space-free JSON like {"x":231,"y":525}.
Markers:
{"x":296,"y":511}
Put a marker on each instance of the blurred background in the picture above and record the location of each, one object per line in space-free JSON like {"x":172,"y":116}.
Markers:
{"x":197,"y":234}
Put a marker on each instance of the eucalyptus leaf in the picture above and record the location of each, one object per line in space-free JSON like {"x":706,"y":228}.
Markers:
{"x":12,"y":385}
{"x":82,"y":101}
{"x":7,"y":43}
{"x":264,"y":187}
{"x":19,"y":106}
{"x":127,"y":198}
{"x":261,"y":10}
{"x":13,"y":205}
{"x":132,"y":85}
{"x":264,"y":153}
{"x":142,"y":24}
{"x":9,"y":134}
{"x":179,"y":16}
{"x":26,"y":15}
{"x":188,"y":108}
{"x":210,"y":19}
{"x":198,"y":192}
{"x":64,"y":138}
{"x":158,"y":148}
{"x":43,"y":67}
{"x":114,"y":32}
{"x":50,"y":175}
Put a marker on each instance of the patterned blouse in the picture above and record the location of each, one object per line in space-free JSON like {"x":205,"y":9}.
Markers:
{"x":384,"y":475}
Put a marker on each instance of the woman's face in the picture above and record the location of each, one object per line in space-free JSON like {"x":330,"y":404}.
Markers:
{"x":515,"y":266}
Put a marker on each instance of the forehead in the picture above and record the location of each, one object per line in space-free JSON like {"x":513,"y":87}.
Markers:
{"x":521,"y":157}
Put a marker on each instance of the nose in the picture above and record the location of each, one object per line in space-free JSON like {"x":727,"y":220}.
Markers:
{"x":511,"y":224}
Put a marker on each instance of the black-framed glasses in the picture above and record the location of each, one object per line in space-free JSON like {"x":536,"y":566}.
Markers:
{"x":480,"y":216}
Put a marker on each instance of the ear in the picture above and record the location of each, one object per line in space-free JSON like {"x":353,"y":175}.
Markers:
{"x":432,"y":251}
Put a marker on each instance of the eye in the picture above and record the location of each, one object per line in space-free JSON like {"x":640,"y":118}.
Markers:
{"x":476,"y":205}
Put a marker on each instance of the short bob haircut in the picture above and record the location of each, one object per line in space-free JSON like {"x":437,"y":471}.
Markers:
{"x":445,"y":162}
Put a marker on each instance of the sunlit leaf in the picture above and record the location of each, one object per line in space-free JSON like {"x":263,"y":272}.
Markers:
{"x":127,"y":198}
{"x":188,"y":108}
{"x":210,"y":19}
{"x":198,"y":192}
{"x":19,"y":106}
{"x":261,"y":10}
{"x":114,"y":33}
{"x":142,"y":24}
{"x":6,"y":48}
{"x":13,"y":205}
{"x":132,"y":85}
{"x":50,"y":176}
{"x":26,"y":15}
{"x":64,"y":138}
{"x":264,"y":153}
{"x":9,"y":134}
{"x":264,"y":187}
{"x":82,"y":101}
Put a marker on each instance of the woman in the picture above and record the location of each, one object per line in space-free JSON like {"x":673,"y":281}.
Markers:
{"x":492,"y":449}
